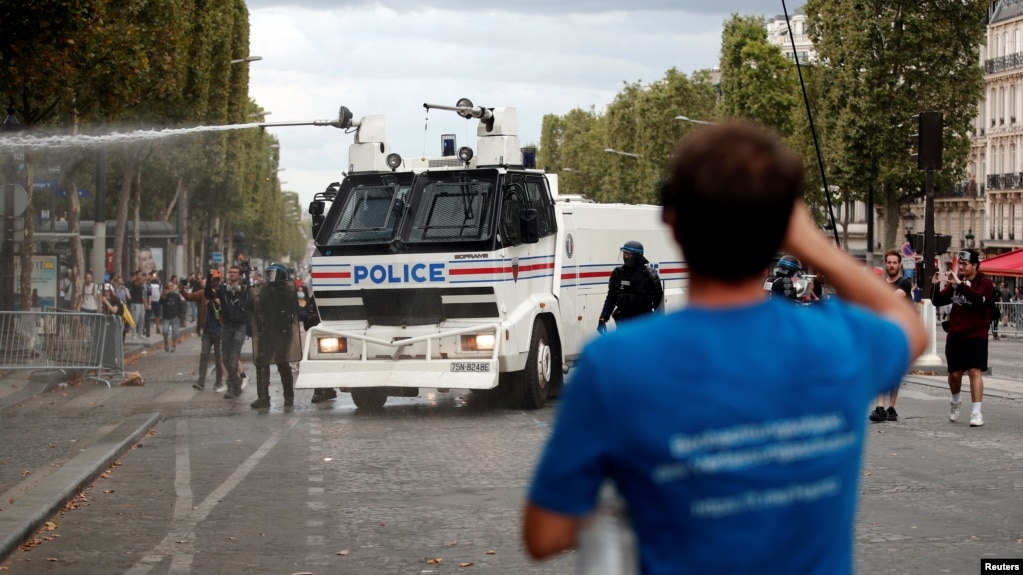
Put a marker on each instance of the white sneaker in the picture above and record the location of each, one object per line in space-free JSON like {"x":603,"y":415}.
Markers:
{"x":245,"y":380}
{"x":953,"y":411}
{"x":976,"y":419}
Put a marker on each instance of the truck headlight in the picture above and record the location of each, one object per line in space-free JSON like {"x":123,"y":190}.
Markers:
{"x":332,"y":344}
{"x":478,"y":342}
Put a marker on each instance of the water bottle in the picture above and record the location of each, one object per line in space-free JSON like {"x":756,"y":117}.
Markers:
{"x":607,"y":544}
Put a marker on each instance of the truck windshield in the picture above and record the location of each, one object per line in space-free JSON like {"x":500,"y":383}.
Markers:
{"x":368,"y":210}
{"x":453,"y":207}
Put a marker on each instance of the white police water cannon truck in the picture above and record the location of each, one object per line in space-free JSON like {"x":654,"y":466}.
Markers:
{"x":464,"y":271}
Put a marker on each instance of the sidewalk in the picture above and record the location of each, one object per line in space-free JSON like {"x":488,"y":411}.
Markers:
{"x":51,"y":476}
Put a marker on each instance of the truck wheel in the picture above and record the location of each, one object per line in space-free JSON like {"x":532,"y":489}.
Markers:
{"x":369,"y":398}
{"x":536,"y":380}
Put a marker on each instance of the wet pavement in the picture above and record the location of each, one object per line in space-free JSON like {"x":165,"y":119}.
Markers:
{"x":183,"y":481}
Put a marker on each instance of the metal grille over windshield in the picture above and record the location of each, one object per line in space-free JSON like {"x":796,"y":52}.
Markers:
{"x":370,"y":215}
{"x":453,"y":211}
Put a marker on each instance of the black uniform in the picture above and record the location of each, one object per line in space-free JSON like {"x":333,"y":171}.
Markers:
{"x":275,"y":338}
{"x":633,"y":290}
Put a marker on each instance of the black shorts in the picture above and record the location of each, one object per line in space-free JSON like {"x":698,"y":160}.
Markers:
{"x":965,"y":354}
{"x":155,"y":310}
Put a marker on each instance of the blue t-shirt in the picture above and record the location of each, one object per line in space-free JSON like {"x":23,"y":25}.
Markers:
{"x":734,"y":435}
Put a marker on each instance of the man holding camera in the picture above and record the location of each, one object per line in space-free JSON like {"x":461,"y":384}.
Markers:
{"x":970,"y":294}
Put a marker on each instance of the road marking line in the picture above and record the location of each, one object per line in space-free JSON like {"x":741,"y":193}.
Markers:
{"x":183,"y":527}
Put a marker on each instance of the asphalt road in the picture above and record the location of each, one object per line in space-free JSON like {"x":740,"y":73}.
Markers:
{"x":432,"y":484}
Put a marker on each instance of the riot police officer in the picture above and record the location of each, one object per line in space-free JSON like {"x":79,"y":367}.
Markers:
{"x":275,"y":334}
{"x":634,"y":288}
{"x":785,"y":281}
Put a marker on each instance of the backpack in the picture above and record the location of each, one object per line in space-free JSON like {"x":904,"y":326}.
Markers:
{"x":995,"y":313}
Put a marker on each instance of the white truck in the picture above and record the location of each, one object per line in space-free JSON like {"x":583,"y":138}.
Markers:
{"x":464,"y":271}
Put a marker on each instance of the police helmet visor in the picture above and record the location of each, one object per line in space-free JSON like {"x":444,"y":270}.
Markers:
{"x":275,"y":274}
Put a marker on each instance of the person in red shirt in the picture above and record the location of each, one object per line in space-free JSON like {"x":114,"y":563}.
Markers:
{"x":970,"y":294}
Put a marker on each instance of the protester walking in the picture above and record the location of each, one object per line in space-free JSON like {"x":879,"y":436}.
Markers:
{"x":209,"y":327}
{"x":235,"y":304}
{"x":138,"y":302}
{"x":172,"y":304}
{"x":970,"y":294}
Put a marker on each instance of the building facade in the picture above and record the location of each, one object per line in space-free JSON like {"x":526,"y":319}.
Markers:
{"x":995,"y":173}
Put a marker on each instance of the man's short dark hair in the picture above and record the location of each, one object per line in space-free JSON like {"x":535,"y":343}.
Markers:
{"x":892,"y":252}
{"x":732,"y":188}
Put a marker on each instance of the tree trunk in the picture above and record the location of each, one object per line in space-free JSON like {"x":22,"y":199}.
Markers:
{"x":186,"y":233}
{"x":136,"y":193}
{"x":74,"y":224}
{"x":129,"y":156}
{"x":891,"y":216}
{"x":77,"y":258}
{"x":25,"y":281}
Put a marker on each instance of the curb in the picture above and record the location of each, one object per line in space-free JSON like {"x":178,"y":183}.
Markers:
{"x":923,"y":380}
{"x":31,"y":510}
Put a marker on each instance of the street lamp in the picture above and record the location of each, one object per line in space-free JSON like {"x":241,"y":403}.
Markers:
{"x":909,"y":220}
{"x":247,"y":59}
{"x":621,"y":153}
{"x":970,"y":238}
{"x":688,"y":119}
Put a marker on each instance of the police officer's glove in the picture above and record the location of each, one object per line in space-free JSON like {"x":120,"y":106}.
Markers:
{"x":601,"y":327}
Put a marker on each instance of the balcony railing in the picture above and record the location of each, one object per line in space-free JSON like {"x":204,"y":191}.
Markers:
{"x":1005,"y":181}
{"x":960,"y":190}
{"x":1003,"y":63}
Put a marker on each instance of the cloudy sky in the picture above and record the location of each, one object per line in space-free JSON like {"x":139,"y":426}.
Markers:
{"x":390,"y":56}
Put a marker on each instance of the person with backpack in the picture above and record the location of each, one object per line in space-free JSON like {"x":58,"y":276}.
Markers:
{"x":971,"y":295}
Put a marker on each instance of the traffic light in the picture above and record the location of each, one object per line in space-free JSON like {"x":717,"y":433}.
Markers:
{"x":927,"y":141}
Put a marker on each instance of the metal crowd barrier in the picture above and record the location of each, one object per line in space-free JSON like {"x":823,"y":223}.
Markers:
{"x":1012,"y":319}
{"x":55,"y":340}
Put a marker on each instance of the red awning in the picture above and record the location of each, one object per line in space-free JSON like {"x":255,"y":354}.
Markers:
{"x":1008,"y":264}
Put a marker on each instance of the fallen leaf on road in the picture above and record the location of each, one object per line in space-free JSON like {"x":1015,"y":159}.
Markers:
{"x":51,"y":558}
{"x":466,"y":564}
{"x":49,"y":526}
{"x":434,"y":561}
{"x":52,"y":444}
{"x":455,"y":542}
{"x":108,"y":491}
{"x":343,"y":552}
{"x":490,"y":552}
{"x":25,"y":473}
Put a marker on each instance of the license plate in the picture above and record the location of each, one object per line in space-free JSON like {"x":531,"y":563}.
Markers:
{"x":473,"y":366}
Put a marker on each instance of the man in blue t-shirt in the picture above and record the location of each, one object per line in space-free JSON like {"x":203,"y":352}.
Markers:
{"x":691,"y":415}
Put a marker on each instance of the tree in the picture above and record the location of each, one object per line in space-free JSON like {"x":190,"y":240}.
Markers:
{"x":886,"y":61}
{"x":757,"y":82}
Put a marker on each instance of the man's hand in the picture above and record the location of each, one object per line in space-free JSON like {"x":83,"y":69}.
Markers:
{"x":601,"y":327}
